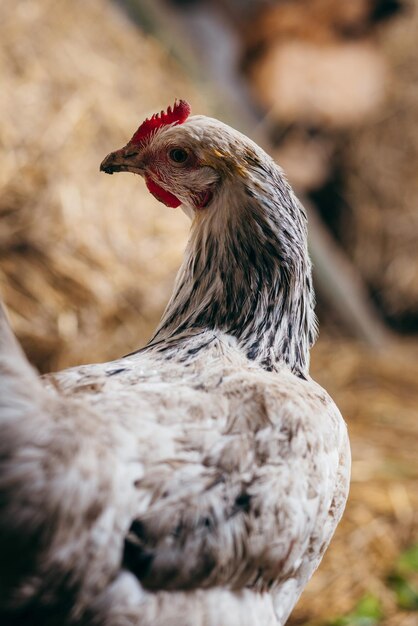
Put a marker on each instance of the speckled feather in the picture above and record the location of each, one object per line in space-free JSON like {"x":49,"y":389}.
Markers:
{"x":198,"y":481}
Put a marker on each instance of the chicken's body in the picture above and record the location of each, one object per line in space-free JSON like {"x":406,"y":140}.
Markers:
{"x":199,"y":481}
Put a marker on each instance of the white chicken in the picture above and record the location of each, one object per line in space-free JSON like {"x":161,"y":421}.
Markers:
{"x":198,"y":481}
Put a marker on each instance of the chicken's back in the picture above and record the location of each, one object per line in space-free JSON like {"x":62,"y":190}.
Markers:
{"x":186,"y":486}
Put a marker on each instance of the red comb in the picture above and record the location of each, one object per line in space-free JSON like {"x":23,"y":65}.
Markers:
{"x":176,"y":115}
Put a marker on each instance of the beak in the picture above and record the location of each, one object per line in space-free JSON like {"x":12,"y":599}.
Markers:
{"x":123,"y":160}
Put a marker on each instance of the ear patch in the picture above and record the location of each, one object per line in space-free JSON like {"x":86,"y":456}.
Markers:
{"x":173,"y":116}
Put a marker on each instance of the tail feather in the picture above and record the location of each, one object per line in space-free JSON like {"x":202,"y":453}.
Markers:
{"x":14,"y":366}
{"x":21,"y":390}
{"x":64,"y":495}
{"x":22,"y":398}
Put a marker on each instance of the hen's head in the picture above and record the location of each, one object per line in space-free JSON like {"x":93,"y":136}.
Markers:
{"x":246,"y":268}
{"x":183,"y":159}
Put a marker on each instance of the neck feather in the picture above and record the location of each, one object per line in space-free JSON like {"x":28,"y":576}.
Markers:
{"x":246,"y":272}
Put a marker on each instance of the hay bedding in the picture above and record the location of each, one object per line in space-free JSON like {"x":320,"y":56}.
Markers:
{"x":87,"y":262}
{"x":83,"y":256}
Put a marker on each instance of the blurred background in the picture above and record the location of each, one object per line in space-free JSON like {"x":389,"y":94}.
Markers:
{"x":87,"y":262}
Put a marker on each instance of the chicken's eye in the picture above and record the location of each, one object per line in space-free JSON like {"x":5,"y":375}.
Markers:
{"x":178,"y":155}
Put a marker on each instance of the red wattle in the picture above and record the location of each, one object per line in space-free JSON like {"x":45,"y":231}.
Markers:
{"x":161,"y":194}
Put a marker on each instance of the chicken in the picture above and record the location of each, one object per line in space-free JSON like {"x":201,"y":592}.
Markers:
{"x":199,"y":480}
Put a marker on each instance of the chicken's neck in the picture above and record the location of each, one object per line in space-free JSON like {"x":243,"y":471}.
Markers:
{"x":247,"y":272}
